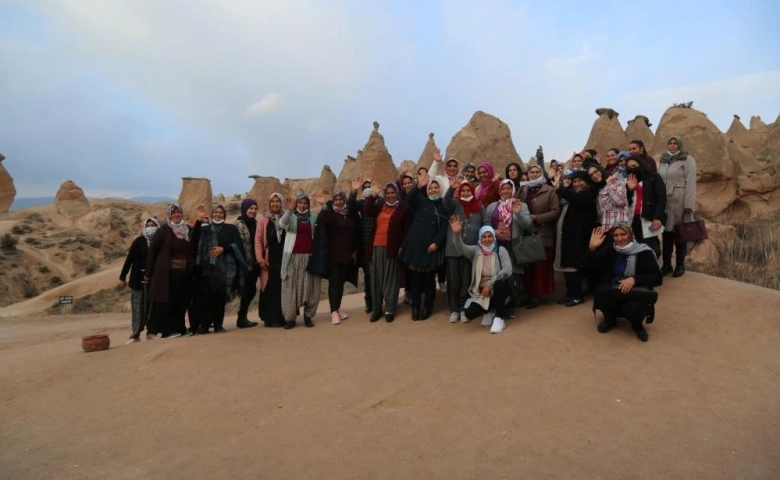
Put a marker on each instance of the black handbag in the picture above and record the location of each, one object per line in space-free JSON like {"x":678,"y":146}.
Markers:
{"x":528,"y":249}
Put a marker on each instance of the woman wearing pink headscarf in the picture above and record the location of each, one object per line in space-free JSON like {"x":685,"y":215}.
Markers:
{"x":487,"y":190}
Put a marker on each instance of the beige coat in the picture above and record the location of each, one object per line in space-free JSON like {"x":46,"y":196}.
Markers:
{"x":680,"y":179}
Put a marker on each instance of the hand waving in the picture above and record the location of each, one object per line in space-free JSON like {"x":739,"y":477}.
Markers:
{"x":456,"y":225}
{"x":597,"y":238}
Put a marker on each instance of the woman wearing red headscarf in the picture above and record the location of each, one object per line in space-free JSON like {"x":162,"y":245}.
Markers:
{"x":487,"y":190}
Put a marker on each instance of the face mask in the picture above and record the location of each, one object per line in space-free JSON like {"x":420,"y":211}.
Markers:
{"x":467,"y":199}
{"x":149,"y":231}
{"x":204,"y":225}
{"x":218,"y":222}
{"x":635,"y":171}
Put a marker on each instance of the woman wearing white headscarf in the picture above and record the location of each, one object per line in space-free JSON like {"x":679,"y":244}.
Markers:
{"x":491,"y":270}
{"x":135,"y":264}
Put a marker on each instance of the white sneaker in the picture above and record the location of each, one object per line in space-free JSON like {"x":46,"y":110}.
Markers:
{"x":334,"y":318}
{"x":443,"y":287}
{"x":454,"y":316}
{"x":464,"y":318}
{"x":498,"y":325}
{"x":342,"y":315}
{"x":487,"y":319}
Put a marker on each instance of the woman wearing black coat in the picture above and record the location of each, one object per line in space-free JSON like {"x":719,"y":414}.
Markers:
{"x":574,"y":228}
{"x":425,"y":243}
{"x":135,"y":264}
{"x":647,"y":192}
{"x":629,"y":271}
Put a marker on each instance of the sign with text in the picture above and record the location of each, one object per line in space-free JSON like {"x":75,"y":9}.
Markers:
{"x":66,"y":300}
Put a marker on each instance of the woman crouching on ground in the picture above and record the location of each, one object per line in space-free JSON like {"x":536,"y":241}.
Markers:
{"x":135,"y":264}
{"x":392,"y":220}
{"x":628,"y":270}
{"x":491,"y":271}
{"x":299,"y":287}
{"x":223,"y":270}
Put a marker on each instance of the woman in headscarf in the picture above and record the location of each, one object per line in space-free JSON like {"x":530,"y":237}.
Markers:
{"x":451,"y":168}
{"x":510,"y":218}
{"x":469,"y":173}
{"x":647,"y":193}
{"x":487,"y":190}
{"x":344,"y":230}
{"x":544,"y":207}
{"x":472,"y":217}
{"x":514,"y":172}
{"x":612,"y":200}
{"x":392,"y":220}
{"x":577,"y":220}
{"x":223,"y":267}
{"x":169,"y":266}
{"x":299,"y":287}
{"x":678,"y":171}
{"x":135,"y":264}
{"x":269,"y":243}
{"x":625,"y":264}
{"x":421,"y":250}
{"x":247,"y":229}
{"x":491,"y":271}
{"x":637,"y":148}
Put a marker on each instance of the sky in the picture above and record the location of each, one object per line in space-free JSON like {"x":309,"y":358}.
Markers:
{"x":125,"y":97}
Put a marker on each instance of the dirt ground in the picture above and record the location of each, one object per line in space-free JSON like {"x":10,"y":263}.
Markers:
{"x":548,"y":398}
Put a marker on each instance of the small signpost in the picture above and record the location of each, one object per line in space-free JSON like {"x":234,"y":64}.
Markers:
{"x":66,"y":304}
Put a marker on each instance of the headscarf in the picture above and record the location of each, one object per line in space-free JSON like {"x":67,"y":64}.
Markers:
{"x":463,"y":173}
{"x":277,"y":216}
{"x":484,"y":185}
{"x":630,"y":250}
{"x":428,"y":189}
{"x":397,"y":194}
{"x":471,"y":205}
{"x":451,"y":178}
{"x":304,"y":216}
{"x":224,"y":214}
{"x":669,"y":157}
{"x":181,"y":230}
{"x":484,"y":250}
{"x":251,"y":223}
{"x":505,"y":206}
{"x":603,"y":181}
{"x":145,"y":233}
{"x":537,"y":183}
{"x":516,"y":181}
{"x":345,"y":209}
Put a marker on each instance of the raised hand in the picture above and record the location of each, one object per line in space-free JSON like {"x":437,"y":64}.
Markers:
{"x":631,"y":182}
{"x":597,"y":238}
{"x":320,"y":198}
{"x":404,"y":169}
{"x":436,"y":155}
{"x":456,"y":225}
{"x":457,"y":182}
{"x":376,"y":188}
{"x":517,"y":205}
{"x":423,"y":179}
{"x":356,"y":183}
{"x":613,"y":177}
{"x":290,"y":203}
{"x":200,"y":212}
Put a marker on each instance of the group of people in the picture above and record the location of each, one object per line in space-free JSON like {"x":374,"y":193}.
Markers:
{"x":463,"y":225}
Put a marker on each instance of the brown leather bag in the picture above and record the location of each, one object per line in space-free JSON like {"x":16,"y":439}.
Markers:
{"x":693,"y":230}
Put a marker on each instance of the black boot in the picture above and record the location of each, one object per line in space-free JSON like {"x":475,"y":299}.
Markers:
{"x":425,"y":313}
{"x":679,"y":270}
{"x":389,"y":317}
{"x":640,"y":331}
{"x":289,"y":325}
{"x":607,"y":324}
{"x":245,"y":323}
{"x":375,"y":317}
{"x":307,"y":321}
{"x":666,"y":268}
{"x":415,"y":313}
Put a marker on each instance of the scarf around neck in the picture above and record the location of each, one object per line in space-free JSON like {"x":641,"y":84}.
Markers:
{"x":669,"y":157}
{"x":484,"y":250}
{"x":181,"y":230}
{"x":630,"y":251}
{"x":505,"y":206}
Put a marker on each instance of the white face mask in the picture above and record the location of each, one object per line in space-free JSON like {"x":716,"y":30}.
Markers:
{"x":218,"y":222}
{"x":467,"y":199}
{"x":149,"y":231}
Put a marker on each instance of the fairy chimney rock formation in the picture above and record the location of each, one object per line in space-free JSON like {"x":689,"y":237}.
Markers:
{"x":70,"y":201}
{"x":263,"y":188}
{"x":95,"y":223}
{"x":484,"y":139}
{"x":195,"y":192}
{"x":327,"y":181}
{"x":7,"y":188}
{"x":373,"y":162}
{"x":607,"y":132}
{"x":426,"y":157}
{"x":716,"y":186}
{"x":639,"y":129}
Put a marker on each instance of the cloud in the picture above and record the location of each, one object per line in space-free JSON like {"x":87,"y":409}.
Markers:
{"x":271,"y":102}
{"x":585,"y":55}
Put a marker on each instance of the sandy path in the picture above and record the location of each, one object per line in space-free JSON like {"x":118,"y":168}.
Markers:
{"x":548,"y":398}
{"x":105,"y":278}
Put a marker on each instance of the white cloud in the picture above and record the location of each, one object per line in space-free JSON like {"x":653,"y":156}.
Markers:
{"x":585,"y":55}
{"x":271,"y":102}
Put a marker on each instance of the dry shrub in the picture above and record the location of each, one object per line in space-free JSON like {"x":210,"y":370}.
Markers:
{"x":8,"y":242}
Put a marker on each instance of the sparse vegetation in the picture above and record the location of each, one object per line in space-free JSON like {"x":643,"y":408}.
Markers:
{"x":55,"y":281}
{"x":8,"y":242}
{"x":683,"y":105}
{"x":30,"y":291}
{"x":31,"y":240}
{"x":44,"y":269}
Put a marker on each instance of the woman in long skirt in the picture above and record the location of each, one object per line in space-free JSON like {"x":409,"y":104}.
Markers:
{"x":269,"y":243}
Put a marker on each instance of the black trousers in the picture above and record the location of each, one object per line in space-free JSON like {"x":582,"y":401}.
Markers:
{"x":212,"y":310}
{"x":337,"y":275}
{"x":680,"y":249}
{"x":573,"y":284}
{"x":367,"y":281}
{"x":614,"y":304}
{"x":502,"y":290}
{"x":422,"y":283}
{"x":250,"y":290}
{"x":168,"y":318}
